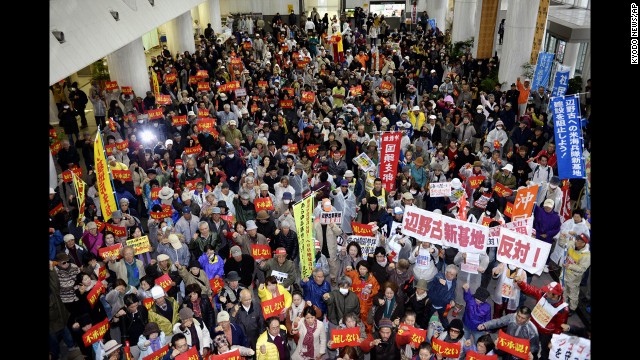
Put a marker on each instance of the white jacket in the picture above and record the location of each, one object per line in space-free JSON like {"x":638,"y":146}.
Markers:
{"x":203,"y":334}
{"x":497,"y":134}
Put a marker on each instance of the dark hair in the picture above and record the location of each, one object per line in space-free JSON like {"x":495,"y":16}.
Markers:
{"x":130,"y":299}
{"x":177,"y":337}
{"x":357,"y":245}
{"x":309,"y":310}
{"x":349,"y":351}
{"x":379,"y":250}
{"x":208,"y":247}
{"x":324,"y":176}
{"x":578,"y":212}
{"x":270,"y":320}
{"x":425,"y":345}
{"x":193,"y":288}
{"x":270,"y":280}
{"x":487,"y":341}
{"x":80,"y":276}
{"x":409,"y":313}
{"x":524,"y":310}
{"x":120,"y":282}
{"x":363,"y":263}
{"x":389,"y":284}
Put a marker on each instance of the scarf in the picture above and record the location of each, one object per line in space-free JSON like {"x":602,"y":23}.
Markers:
{"x":296,"y":310}
{"x":420,"y":297}
{"x":197,"y":311}
{"x":389,"y":305}
{"x":156,"y":344}
{"x":307,"y":342}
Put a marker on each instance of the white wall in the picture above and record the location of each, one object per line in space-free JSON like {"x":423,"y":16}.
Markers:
{"x":266,"y":7}
{"x":91,"y":33}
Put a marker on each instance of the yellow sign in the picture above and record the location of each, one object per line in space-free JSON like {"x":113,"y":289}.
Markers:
{"x":302,"y":212}
{"x":80,"y":191}
{"x":289,"y":8}
{"x":538,"y":35}
{"x":156,"y":85}
{"x":140,"y":245}
{"x":105,"y":191}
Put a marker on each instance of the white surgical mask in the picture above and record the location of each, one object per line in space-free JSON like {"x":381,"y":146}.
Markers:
{"x":344,"y":291}
{"x":66,"y":106}
{"x":231,"y":156}
{"x":155,"y":124}
{"x":553,"y":186}
{"x":286,"y":202}
{"x":479,"y":111}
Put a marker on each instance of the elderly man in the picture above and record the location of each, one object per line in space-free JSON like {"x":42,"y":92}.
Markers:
{"x":187,"y":225}
{"x":328,"y":234}
{"x":279,"y":266}
{"x":442,"y":292}
{"x":518,"y":325}
{"x":204,"y":237}
{"x":576,"y":263}
{"x":247,"y":314}
{"x":164,"y":266}
{"x":314,"y":290}
{"x":76,"y":252}
{"x":299,"y":181}
{"x":128,"y":268}
{"x":67,"y":272}
{"x":164,"y":310}
{"x":344,"y":200}
{"x":187,"y":201}
{"x":242,"y":264}
{"x":341,"y":301}
{"x":252,"y":237}
{"x":194,"y":331}
{"x":226,"y":115}
{"x":231,"y":132}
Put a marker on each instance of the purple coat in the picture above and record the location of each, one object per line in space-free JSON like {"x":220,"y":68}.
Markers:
{"x":546,"y":223}
{"x":475,"y":314}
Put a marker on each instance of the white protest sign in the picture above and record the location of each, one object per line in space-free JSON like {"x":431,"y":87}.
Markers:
{"x":494,"y":236}
{"x":331,"y":217}
{"x":241,"y":92}
{"x":569,"y":347}
{"x":442,"y":230}
{"x":440,"y":189}
{"x":280,"y":276}
{"x":471,"y":263}
{"x":364,"y":162}
{"x":367,"y":244}
{"x":522,"y":251}
{"x":522,"y":226}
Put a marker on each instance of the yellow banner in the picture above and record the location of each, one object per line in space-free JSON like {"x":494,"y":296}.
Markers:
{"x":140,"y":245}
{"x":156,"y":85}
{"x":302,"y":212}
{"x":105,"y":191}
{"x":80,"y":191}
{"x":538,"y":35}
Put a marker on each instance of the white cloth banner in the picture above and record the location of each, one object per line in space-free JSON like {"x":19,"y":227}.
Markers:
{"x":569,"y":347}
{"x":522,"y":251}
{"x":438,"y":229}
{"x":440,"y":189}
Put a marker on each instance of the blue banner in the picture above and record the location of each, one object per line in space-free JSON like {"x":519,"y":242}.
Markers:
{"x":561,"y":81}
{"x":568,"y":136}
{"x":432,"y":23}
{"x":543,"y":71}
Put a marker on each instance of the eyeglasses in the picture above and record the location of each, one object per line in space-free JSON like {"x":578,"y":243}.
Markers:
{"x":454,"y":330}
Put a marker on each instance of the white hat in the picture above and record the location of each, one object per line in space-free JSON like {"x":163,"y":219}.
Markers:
{"x":249,"y":169}
{"x":406,"y":57}
{"x":508,"y":167}
{"x":162,"y":257}
{"x":392,"y":106}
{"x":348,"y":173}
{"x":175,"y":242}
{"x":399,"y":123}
{"x":251,"y":225}
{"x":384,"y":121}
{"x":68,"y":237}
{"x":111,"y":346}
{"x":433,"y":70}
{"x":157,"y":292}
{"x":51,"y":191}
{"x":166,"y":193}
{"x":398,"y":210}
{"x":432,"y":117}
{"x":456,"y":183}
{"x":416,"y":108}
{"x":191,"y":113}
{"x":549,"y":203}
{"x":479,"y":107}
{"x":232,"y":123}
{"x":186,"y":196}
{"x":169,"y":141}
{"x":527,"y":80}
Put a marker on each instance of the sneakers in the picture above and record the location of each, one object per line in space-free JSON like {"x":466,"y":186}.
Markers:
{"x":546,"y":269}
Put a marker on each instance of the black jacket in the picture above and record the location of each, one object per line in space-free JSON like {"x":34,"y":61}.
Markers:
{"x":68,"y":121}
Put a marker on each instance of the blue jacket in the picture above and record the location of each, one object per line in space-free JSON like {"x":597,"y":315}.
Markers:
{"x":545,"y":223}
{"x":475,"y":314}
{"x":55,"y":240}
{"x":439,"y":294}
{"x":212,"y":269}
{"x":313,"y":292}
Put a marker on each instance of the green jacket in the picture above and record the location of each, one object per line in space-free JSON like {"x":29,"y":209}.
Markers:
{"x":507,"y":181}
{"x":165,"y":324}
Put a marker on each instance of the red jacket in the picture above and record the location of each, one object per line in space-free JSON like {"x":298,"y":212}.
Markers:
{"x":553,"y":327}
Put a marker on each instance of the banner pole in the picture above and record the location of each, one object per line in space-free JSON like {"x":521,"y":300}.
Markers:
{"x":104,"y":150}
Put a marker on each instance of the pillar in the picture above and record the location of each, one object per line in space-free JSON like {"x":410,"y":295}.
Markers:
{"x":214,"y":16}
{"x":437,"y":9}
{"x":128,"y":66}
{"x":53,"y":110}
{"x":180,"y":34}
{"x":195,"y":15}
{"x":586,"y":68}
{"x":518,"y":39}
{"x":485,"y":28}
{"x":464,"y":12}
{"x":205,"y":17}
{"x":571,"y":57}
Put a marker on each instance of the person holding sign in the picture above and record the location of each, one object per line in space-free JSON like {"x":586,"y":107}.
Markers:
{"x":312,"y":343}
{"x":576,"y":263}
{"x":454,"y":334}
{"x":506,"y":295}
{"x":271,"y":289}
{"x":472,"y":267}
{"x":518,"y":325}
{"x":382,"y":344}
{"x":483,"y":346}
{"x":282,"y":268}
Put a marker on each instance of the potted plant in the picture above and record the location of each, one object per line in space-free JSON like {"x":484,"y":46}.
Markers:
{"x":100,"y":73}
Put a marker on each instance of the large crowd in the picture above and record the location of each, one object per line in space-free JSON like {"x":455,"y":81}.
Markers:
{"x":250,"y":126}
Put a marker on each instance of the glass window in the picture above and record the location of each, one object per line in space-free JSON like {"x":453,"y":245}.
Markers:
{"x":582,"y":54}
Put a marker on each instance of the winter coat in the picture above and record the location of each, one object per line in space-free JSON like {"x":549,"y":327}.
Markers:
{"x":288,"y":267}
{"x":474,"y":313}
{"x":338,"y":305}
{"x":424,"y":265}
{"x":204,"y":338}
{"x":165,"y":325}
{"x":251,"y":321}
{"x":212,"y":267}
{"x":545,"y":223}
{"x":439,"y":294}
{"x":313,"y":292}
{"x":554,"y":326}
{"x":526,"y":331}
{"x":348,"y":207}
{"x":202,"y":280}
{"x":319,"y":339}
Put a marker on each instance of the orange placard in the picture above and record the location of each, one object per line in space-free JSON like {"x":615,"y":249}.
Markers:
{"x":96,"y":332}
{"x":56,"y":210}
{"x":230,"y":86}
{"x":163,"y":99}
{"x":303,"y":63}
{"x":127,"y":90}
{"x":216,"y":285}
{"x":118,"y":231}
{"x":515,"y":346}
{"x":289,"y":91}
{"x":53,"y":134}
{"x":345,"y":337}
{"x":416,"y":336}
{"x":263,"y":204}
{"x":475,"y":181}
{"x":385,"y":85}
{"x":113,"y":250}
{"x":472,"y":355}
{"x":121,"y":175}
{"x":260,"y":252}
{"x":508,"y":209}
{"x":502,"y":190}
{"x":108,"y":149}
{"x":247,"y":45}
{"x":312,"y":150}
{"x":284,"y":48}
{"x":525,"y":199}
{"x":164,"y":282}
{"x":361,"y":229}
{"x":486,"y":220}
{"x":148,"y":303}
{"x":102,"y":273}
{"x":293,"y":148}
{"x":165,"y":213}
{"x":206,"y":124}
{"x":286,"y":104}
{"x":55,"y":147}
{"x":203,"y":86}
{"x":308,"y":97}
{"x":94,"y":294}
{"x":273,"y":307}
{"x":356,"y":90}
{"x":154,"y":193}
{"x":123,"y":145}
{"x":203,"y":113}
{"x":202,"y":74}
{"x":157,"y":355}
{"x":193,"y":80}
{"x":236,"y":61}
{"x":170,"y":78}
{"x":67,"y":175}
{"x":177,"y":120}
{"x":154,"y":114}
{"x":100,"y":225}
{"x":191,"y":354}
{"x":111,"y":85}
{"x":446,"y":349}
{"x":193,"y":150}
{"x":191,"y":184}
{"x":263,"y":84}
{"x":230,"y":355}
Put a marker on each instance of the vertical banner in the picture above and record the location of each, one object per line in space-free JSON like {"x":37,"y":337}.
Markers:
{"x":156,"y":85}
{"x":538,"y":35}
{"x":105,"y":190}
{"x":568,"y":136}
{"x":389,"y":157}
{"x":302,"y":212}
{"x":414,"y":12}
{"x":561,"y":80}
{"x":543,"y":71}
{"x":523,"y":204}
{"x":487,"y":29}
{"x":80,"y":191}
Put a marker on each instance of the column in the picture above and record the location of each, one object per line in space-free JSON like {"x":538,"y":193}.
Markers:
{"x":518,"y":39}
{"x":128,"y":66}
{"x":485,"y":29}
{"x":586,"y":68}
{"x":205,"y":17}
{"x":195,"y":15}
{"x":571,"y":57}
{"x":464,"y":12}
{"x":53,"y":110}
{"x":437,"y":9}
{"x":214,"y":16}
{"x":180,"y":34}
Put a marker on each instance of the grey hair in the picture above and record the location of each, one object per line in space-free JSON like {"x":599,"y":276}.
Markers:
{"x":345,"y":280}
{"x":285,"y":224}
{"x":203,"y":223}
{"x":317,"y":270}
{"x":451,"y":267}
